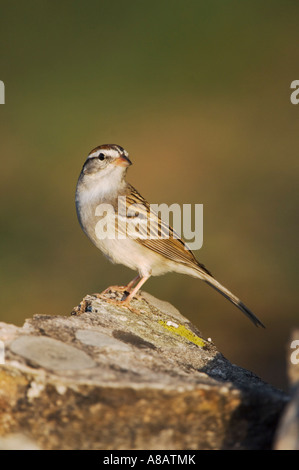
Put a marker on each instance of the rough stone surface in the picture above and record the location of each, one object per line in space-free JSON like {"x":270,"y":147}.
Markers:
{"x":50,"y":353}
{"x":107,"y":377}
{"x":287,"y":437}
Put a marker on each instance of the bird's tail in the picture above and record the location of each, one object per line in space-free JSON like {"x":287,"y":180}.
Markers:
{"x":209,"y":279}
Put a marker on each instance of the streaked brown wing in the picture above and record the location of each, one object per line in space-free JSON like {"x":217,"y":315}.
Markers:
{"x":172,"y":246}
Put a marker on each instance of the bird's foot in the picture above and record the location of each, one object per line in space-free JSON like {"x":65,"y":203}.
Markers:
{"x":123,"y":302}
{"x":114,"y":288}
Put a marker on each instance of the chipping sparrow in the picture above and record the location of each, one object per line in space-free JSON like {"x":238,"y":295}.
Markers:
{"x":102,"y":181}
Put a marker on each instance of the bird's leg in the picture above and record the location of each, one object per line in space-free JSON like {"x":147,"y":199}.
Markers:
{"x":135,"y":290}
{"x":126,"y":302}
{"x":132,"y":283}
{"x":127,"y":288}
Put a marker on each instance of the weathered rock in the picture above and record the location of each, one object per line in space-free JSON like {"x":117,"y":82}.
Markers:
{"x":112,"y":378}
{"x":287,"y":437}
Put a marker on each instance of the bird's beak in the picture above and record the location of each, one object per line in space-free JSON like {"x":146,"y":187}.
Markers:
{"x":122,"y":161}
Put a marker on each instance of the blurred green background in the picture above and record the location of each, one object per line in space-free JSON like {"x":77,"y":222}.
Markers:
{"x":199,"y":94}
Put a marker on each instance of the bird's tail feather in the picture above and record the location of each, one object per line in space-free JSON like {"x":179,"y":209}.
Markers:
{"x":209,"y":279}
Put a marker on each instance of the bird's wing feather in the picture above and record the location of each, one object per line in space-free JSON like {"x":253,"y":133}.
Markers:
{"x":155,"y":234}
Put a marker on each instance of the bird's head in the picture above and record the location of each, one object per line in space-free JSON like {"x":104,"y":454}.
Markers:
{"x":106,"y":160}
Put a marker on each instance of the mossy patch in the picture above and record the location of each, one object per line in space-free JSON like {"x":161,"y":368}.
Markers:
{"x":181,"y":330}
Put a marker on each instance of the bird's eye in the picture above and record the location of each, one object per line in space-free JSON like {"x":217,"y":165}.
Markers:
{"x":101,"y":156}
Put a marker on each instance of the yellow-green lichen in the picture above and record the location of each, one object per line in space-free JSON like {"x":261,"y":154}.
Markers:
{"x":181,"y":330}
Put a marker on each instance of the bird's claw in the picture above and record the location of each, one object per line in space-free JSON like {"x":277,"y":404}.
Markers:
{"x":117,"y":302}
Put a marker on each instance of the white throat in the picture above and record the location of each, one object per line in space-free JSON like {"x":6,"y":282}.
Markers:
{"x":101,"y":185}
